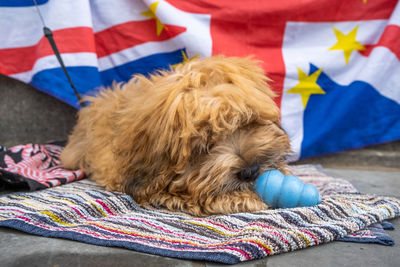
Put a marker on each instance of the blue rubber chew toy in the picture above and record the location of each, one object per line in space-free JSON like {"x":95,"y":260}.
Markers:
{"x":285,"y":191}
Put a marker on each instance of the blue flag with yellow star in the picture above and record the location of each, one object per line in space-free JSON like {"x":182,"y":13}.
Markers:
{"x":350,"y":115}
{"x":342,"y":84}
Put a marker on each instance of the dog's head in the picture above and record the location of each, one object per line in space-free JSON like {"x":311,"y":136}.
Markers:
{"x":194,"y":137}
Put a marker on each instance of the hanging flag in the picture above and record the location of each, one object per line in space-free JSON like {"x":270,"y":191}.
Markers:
{"x":341,"y":88}
{"x":100,"y":42}
{"x":335,"y":65}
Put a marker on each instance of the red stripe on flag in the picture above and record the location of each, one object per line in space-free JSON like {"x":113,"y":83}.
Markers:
{"x":390,"y":39}
{"x":132,"y":33}
{"x":256,"y":27}
{"x":70,"y":40}
{"x":278,"y":12}
{"x":262,"y":42}
{"x":82,"y":39}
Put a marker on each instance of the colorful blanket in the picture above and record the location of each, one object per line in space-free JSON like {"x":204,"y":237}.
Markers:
{"x":86,"y":212}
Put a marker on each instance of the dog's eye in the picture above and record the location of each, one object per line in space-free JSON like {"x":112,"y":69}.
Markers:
{"x":210,"y":146}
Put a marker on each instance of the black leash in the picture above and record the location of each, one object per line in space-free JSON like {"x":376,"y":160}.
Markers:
{"x":49,"y":35}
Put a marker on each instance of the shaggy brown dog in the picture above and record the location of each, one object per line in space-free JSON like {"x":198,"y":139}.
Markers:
{"x":192,"y":139}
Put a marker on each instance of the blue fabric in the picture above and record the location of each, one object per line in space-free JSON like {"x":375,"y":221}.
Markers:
{"x":87,"y":79}
{"x":375,"y":233}
{"x":144,"y":65}
{"x":21,"y":3}
{"x":84,"y":79}
{"x":347,"y":116}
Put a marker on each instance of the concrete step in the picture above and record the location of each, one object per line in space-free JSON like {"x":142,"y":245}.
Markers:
{"x":382,"y":157}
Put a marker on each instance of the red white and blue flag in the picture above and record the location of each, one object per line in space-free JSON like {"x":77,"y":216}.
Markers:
{"x":334,"y":64}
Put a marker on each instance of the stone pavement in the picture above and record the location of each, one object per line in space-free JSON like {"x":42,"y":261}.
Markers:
{"x":31,"y":116}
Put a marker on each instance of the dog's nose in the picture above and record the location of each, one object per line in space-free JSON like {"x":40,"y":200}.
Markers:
{"x":250,"y":173}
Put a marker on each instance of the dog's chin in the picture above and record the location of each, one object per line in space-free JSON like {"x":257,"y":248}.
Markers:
{"x":234,"y":186}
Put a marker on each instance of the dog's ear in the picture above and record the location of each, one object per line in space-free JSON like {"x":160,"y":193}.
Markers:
{"x":153,"y":129}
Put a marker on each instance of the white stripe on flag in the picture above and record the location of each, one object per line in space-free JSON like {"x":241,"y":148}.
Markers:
{"x":395,"y":18}
{"x":137,"y":52}
{"x":22,"y":25}
{"x":50,"y":62}
{"x":382,"y":70}
{"x":106,"y":13}
{"x":292,"y":122}
{"x":197,"y":38}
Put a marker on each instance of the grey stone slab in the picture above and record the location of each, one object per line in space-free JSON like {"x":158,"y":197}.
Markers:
{"x":21,"y":249}
{"x":30,"y":116}
{"x":371,"y":182}
{"x":382,"y":156}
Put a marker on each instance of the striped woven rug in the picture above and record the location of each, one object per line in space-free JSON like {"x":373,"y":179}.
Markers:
{"x":85,"y":212}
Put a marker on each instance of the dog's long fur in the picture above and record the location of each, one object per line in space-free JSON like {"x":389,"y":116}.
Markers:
{"x":191,"y":139}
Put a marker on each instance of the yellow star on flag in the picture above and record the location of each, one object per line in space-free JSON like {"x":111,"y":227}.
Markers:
{"x":307,"y":86}
{"x":151,"y":13}
{"x":185,"y":59}
{"x":347,"y":43}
